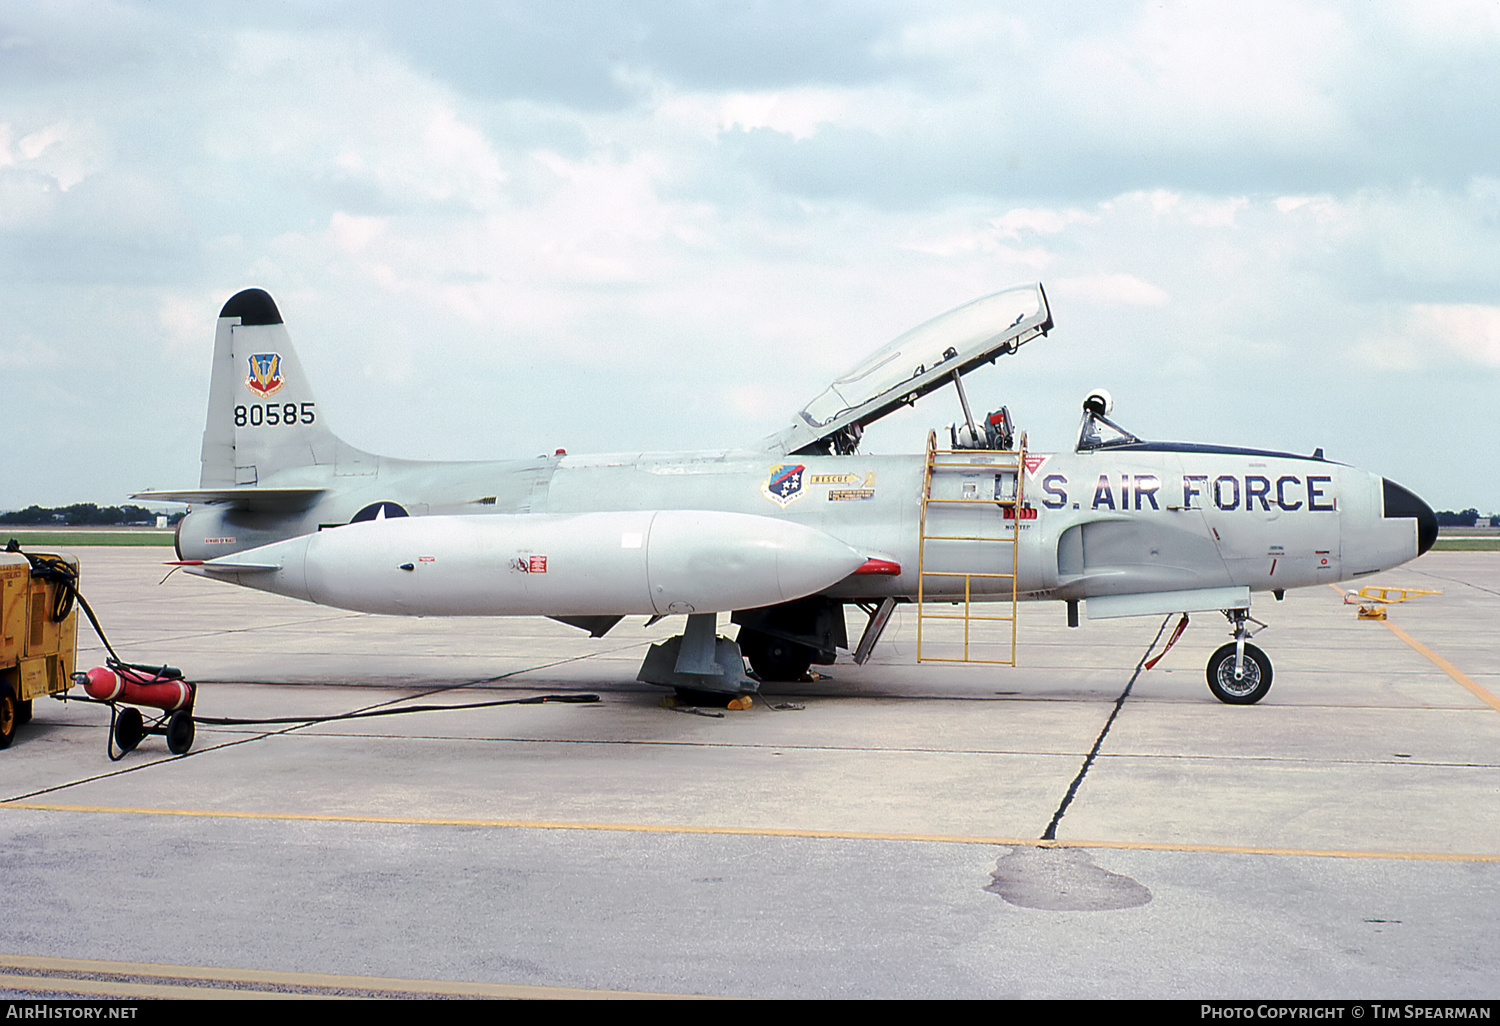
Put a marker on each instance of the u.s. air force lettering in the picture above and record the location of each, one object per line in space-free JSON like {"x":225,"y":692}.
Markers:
{"x":1250,"y":492}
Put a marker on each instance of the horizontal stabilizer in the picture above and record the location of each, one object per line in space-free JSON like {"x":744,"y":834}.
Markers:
{"x":228,"y":564}
{"x":254,"y":499}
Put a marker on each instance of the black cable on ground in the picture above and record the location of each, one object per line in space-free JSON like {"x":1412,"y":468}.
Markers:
{"x":1051,"y":831}
{"x":228,"y":721}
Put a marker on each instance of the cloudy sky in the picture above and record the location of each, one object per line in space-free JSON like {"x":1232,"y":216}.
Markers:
{"x":495,"y":229}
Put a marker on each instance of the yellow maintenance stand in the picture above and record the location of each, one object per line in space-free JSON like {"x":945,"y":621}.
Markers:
{"x":37,"y":647}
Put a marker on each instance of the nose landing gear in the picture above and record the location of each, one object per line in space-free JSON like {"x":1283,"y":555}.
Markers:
{"x":1239,"y":673}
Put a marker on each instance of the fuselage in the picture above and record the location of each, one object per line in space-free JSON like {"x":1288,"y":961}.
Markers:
{"x":1142,"y":518}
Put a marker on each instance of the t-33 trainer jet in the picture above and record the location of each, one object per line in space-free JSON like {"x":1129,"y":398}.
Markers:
{"x":789,"y":532}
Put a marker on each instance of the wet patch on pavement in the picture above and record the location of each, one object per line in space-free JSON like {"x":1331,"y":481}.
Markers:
{"x":1062,"y":880}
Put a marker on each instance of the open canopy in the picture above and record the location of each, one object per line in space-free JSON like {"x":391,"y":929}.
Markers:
{"x":910,"y":366}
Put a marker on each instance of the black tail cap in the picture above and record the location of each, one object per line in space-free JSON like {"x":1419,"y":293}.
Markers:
{"x":253,"y":306}
{"x":1401,"y":503}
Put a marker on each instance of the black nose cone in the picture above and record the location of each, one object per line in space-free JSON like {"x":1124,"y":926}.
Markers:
{"x":1401,"y":503}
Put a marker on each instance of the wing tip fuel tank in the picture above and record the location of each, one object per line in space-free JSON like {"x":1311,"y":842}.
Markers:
{"x":617,"y":563}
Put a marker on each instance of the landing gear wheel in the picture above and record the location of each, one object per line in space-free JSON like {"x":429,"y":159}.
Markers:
{"x":130,"y":727}
{"x":10,"y":716}
{"x":1251,"y":687}
{"x":774,"y":659}
{"x":180,"y":732}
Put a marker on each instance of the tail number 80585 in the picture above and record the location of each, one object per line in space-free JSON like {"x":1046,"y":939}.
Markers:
{"x":257,"y":414}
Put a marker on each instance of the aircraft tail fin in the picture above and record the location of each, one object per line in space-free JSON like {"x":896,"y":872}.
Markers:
{"x":263,"y":419}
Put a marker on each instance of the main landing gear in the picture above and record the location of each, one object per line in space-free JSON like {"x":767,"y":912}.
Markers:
{"x":775,"y":659}
{"x":1239,"y":673}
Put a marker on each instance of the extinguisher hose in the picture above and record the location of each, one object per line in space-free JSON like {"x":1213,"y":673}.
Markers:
{"x":226,"y":721}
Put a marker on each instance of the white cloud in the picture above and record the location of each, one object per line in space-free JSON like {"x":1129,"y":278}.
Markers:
{"x":957,"y":35}
{"x":64,"y":152}
{"x":1039,"y":221}
{"x":29,"y":354}
{"x":27,"y":199}
{"x":1470,"y":330}
{"x":352,"y":235}
{"x":1114,"y":290}
{"x":32,"y":146}
{"x":1447,"y":23}
{"x":1200,"y":211}
{"x":796,"y":112}
{"x":1187,"y":72}
{"x":1323,"y":208}
{"x":186,"y":322}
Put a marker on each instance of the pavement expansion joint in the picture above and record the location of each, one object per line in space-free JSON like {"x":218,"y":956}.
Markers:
{"x":1051,"y":832}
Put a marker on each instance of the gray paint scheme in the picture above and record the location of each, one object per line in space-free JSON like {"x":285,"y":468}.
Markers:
{"x":1137,"y":520}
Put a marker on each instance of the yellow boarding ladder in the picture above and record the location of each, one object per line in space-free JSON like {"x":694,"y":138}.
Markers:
{"x":956,"y":517}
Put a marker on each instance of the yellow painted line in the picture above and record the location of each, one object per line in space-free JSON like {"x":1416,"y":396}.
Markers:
{"x":1479,"y":692}
{"x":211,"y":974}
{"x":673,"y":828}
{"x":145,"y":991}
{"x":521,"y":824}
{"x":1319,"y":853}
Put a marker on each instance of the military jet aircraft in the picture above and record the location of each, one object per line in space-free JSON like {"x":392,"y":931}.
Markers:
{"x":789,"y":532}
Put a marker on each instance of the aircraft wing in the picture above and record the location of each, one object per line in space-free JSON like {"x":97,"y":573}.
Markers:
{"x":258,"y":499}
{"x":910,"y":366}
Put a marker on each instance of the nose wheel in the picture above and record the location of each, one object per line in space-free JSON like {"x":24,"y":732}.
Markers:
{"x":1239,"y":673}
{"x":1252,"y":684}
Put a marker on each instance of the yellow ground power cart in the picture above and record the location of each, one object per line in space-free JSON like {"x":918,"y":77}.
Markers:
{"x":37,"y":647}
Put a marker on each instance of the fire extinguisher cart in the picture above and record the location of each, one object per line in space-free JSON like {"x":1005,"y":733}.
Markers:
{"x":159,"y":687}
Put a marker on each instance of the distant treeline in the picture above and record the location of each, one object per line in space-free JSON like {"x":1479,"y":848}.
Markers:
{"x":1463,"y":518}
{"x":85,"y":514}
